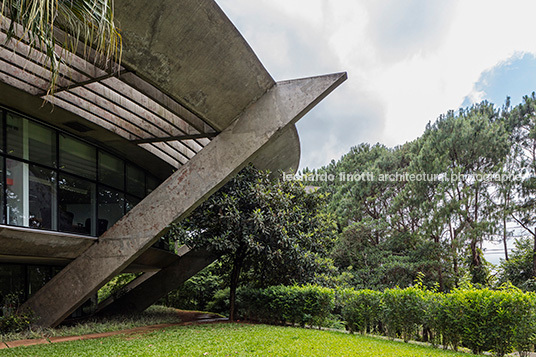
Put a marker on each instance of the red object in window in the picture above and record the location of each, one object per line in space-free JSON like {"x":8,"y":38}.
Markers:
{"x":9,"y":181}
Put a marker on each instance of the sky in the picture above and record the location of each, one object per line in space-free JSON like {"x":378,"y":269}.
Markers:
{"x":408,"y":61}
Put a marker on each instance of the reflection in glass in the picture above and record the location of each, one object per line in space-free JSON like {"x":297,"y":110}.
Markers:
{"x":78,"y":157}
{"x":1,"y":130}
{"x":111,"y":170}
{"x":2,"y":190}
{"x":130,"y":202}
{"x":111,"y":208}
{"x":76,"y":205}
{"x":38,"y":276}
{"x":11,"y":282}
{"x":135,"y":181}
{"x":42,"y":198}
{"x":31,"y":195}
{"x":30,"y":141}
{"x":152,"y":184}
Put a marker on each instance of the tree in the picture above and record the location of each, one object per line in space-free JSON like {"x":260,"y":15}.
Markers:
{"x":273,"y":232}
{"x":522,"y":122}
{"x":518,"y":269}
{"x":465,"y":148}
{"x":87,"y":21}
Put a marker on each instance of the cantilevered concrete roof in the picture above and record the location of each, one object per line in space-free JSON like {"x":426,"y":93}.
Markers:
{"x":186,"y":74}
{"x":193,"y":52}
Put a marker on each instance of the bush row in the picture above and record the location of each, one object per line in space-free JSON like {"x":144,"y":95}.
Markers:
{"x":499,"y":321}
{"x":302,"y":305}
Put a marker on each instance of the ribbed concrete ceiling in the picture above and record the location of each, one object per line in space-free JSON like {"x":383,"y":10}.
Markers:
{"x":186,"y":74}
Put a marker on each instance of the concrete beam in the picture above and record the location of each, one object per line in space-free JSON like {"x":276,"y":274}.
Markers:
{"x":144,"y":291}
{"x":262,"y":122}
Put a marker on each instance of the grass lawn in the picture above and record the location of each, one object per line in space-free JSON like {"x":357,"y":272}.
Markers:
{"x":154,"y":315}
{"x":232,"y":340}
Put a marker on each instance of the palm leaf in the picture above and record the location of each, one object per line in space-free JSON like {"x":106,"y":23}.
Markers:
{"x":86,"y":23}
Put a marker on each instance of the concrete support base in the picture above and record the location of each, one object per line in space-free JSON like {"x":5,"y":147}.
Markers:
{"x":261,"y":123}
{"x":144,"y":291}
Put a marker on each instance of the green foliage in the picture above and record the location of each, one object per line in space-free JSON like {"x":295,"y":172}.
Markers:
{"x":87,"y":21}
{"x":268,"y":233}
{"x":499,"y":321}
{"x":435,"y":223}
{"x":114,"y":286}
{"x":301,"y":305}
{"x":403,"y":311}
{"x":15,"y":322}
{"x":13,"y":319}
{"x":489,"y":320}
{"x":518,"y":269}
{"x":197,"y":292}
{"x":361,"y":311}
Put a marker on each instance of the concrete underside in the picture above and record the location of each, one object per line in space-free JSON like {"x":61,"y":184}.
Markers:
{"x":32,"y":246}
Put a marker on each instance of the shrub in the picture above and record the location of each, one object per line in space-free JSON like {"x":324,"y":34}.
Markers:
{"x":488,"y":320}
{"x":362,"y":311}
{"x":14,"y":320}
{"x":195,"y":293}
{"x":403,"y":311}
{"x":500,"y":321}
{"x":302,"y":305}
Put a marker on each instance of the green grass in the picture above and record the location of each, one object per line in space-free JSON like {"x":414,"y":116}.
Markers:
{"x":233,"y":340}
{"x":154,"y":315}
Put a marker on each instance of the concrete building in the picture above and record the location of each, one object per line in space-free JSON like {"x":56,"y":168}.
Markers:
{"x":92,"y":178}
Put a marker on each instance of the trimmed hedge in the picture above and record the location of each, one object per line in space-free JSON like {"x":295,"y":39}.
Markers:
{"x":499,"y":321}
{"x":302,"y":305}
{"x":361,"y":310}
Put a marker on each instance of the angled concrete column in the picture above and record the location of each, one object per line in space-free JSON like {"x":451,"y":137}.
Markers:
{"x":103,"y":306}
{"x":260,"y":123}
{"x":143,"y":292}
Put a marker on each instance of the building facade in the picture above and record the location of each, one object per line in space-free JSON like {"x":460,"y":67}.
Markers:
{"x":93,"y":176}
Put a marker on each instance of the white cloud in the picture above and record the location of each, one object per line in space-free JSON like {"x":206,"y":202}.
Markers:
{"x":408,"y":61}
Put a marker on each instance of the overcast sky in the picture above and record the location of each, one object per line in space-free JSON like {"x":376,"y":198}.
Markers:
{"x":408,"y":61}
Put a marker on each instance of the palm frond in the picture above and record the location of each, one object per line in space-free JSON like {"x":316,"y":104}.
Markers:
{"x":85,"y":23}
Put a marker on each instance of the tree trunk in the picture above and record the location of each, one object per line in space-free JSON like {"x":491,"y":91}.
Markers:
{"x":454,"y":254}
{"x":534,"y":256}
{"x":439,"y":267}
{"x":505,"y":236}
{"x":235,"y":278}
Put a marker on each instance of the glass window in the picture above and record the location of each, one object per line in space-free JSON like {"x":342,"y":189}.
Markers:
{"x":152,"y":183}
{"x":135,"y":181}
{"x":15,"y":133}
{"x":17,"y":193}
{"x":42,"y":198}
{"x":111,"y":208}
{"x":130,"y":202}
{"x":76,"y":205}
{"x":2,"y":191}
{"x":31,"y":141}
{"x":38,"y":276}
{"x":51,"y":183}
{"x":78,"y":157}
{"x":11,"y":283}
{"x":111,"y":170}
{"x":1,"y":130}
{"x":31,"y":195}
